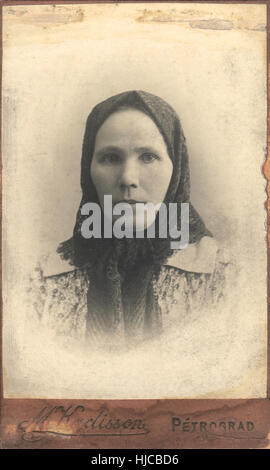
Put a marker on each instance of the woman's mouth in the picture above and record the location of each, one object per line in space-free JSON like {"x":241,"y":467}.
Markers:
{"x":131,"y":202}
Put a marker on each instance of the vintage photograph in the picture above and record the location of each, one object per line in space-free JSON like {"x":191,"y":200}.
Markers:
{"x":134,"y":219}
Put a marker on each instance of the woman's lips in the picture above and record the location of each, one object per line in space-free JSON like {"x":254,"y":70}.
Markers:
{"x":130,"y":201}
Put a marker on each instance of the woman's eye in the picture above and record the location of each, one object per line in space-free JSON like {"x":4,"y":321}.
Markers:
{"x":149,"y":157}
{"x":110,"y":158}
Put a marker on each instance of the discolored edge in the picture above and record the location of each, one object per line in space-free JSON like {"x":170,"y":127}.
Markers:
{"x":127,"y":424}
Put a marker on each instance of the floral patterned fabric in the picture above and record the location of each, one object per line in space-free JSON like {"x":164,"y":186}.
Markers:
{"x":60,"y":301}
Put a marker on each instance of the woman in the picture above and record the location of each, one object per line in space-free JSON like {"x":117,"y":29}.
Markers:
{"x":112,"y":291}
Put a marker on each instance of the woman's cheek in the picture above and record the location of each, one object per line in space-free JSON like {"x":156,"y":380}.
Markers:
{"x":156,"y":181}
{"x":107,"y":181}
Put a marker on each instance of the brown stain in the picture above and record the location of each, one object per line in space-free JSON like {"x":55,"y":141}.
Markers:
{"x":214,"y":24}
{"x":159,"y":16}
{"x":194,"y":12}
{"x":169,"y":16}
{"x":266,"y":173}
{"x":53,"y":17}
{"x":258,"y":27}
{"x":17,"y":13}
{"x":187,"y":17}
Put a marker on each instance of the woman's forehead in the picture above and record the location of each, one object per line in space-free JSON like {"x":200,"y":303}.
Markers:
{"x":127,"y":127}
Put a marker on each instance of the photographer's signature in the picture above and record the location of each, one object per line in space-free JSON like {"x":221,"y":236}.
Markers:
{"x":75,"y":421}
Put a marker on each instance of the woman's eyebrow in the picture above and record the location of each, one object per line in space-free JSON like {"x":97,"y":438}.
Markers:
{"x":148,"y":149}
{"x":108,"y":148}
{"x":115,"y":148}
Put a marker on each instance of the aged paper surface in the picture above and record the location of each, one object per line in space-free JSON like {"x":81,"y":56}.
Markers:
{"x":209,"y":63}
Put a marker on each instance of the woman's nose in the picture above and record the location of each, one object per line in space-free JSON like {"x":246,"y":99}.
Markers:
{"x":129,"y":176}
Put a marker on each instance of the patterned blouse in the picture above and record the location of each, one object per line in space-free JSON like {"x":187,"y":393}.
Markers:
{"x":192,"y":280}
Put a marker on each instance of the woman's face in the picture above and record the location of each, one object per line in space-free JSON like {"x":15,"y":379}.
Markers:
{"x":130,"y":160}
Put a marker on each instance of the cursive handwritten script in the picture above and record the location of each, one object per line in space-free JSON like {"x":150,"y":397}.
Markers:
{"x":74,"y":421}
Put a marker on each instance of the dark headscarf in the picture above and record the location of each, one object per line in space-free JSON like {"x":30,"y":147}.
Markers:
{"x":121,"y":297}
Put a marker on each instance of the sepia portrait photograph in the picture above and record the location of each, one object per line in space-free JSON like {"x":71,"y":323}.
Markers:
{"x":134,"y":137}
